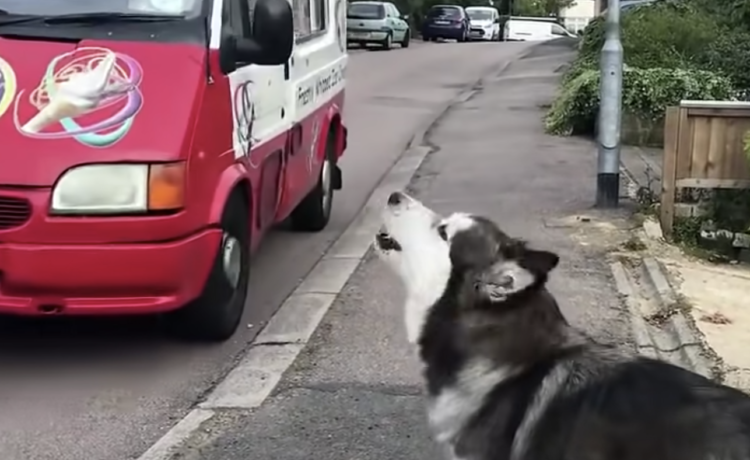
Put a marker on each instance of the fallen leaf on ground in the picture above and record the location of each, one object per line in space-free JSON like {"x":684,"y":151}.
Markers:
{"x":716,"y":318}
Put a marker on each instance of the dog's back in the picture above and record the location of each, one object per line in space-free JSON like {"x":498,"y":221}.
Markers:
{"x":592,"y":405}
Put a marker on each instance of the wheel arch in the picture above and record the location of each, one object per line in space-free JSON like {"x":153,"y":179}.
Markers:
{"x":334,"y":132}
{"x":234,"y":180}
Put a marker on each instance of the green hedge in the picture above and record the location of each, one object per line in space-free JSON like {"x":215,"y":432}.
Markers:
{"x":658,"y":35}
{"x":729,"y":54}
{"x":646,"y":94}
{"x":667,"y":35}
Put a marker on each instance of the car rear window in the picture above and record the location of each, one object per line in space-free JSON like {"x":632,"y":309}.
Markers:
{"x":479,"y":15}
{"x":444,"y":11}
{"x":365,"y":11}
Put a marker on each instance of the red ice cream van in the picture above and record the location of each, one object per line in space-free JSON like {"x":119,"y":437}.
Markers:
{"x":146,"y":146}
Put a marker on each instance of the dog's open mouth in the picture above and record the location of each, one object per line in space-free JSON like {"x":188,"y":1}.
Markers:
{"x":386,"y":242}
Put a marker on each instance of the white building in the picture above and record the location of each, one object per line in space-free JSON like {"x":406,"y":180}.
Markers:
{"x":577,"y":16}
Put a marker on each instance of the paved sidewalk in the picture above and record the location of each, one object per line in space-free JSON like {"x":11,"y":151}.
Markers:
{"x":355,"y":391}
{"x":642,"y":165}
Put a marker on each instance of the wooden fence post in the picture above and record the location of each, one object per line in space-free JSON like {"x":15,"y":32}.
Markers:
{"x":669,"y":169}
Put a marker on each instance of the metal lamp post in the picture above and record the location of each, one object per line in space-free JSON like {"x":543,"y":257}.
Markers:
{"x":610,"y":112}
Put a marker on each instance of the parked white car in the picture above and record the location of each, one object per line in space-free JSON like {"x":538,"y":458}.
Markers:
{"x":533,"y":31}
{"x":485,"y":23}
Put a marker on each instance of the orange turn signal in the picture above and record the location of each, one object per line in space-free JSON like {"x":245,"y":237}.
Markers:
{"x":166,"y":186}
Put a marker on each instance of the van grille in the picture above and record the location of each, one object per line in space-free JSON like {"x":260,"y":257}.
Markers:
{"x":14,"y":212}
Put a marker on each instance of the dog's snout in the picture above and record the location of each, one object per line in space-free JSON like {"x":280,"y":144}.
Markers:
{"x":395,"y":199}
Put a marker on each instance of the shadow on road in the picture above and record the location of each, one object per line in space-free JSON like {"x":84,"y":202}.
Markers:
{"x":71,"y":340}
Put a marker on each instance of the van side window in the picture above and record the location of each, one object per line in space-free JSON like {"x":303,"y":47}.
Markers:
{"x":310,"y":17}
{"x":320,"y":15}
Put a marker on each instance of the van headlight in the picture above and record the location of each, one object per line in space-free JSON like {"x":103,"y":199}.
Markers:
{"x":119,"y":189}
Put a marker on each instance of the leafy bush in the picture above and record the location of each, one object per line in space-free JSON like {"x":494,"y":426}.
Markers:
{"x":733,"y":13}
{"x":575,"y":109}
{"x":592,"y":39}
{"x":588,"y":55}
{"x":729,"y":54}
{"x":646,"y":94}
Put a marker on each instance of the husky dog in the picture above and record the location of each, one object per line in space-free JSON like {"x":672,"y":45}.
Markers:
{"x":508,"y":378}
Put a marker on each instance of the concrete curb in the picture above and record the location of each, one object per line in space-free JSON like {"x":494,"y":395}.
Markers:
{"x":279,"y":343}
{"x":679,"y":339}
{"x":659,"y":325}
{"x":678,"y":326}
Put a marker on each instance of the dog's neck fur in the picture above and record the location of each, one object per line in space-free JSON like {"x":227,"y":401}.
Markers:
{"x":468,"y":355}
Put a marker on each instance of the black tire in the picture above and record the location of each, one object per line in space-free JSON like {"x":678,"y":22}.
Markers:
{"x":216,"y":314}
{"x":387,"y":44}
{"x":407,"y":39}
{"x":314,"y":212}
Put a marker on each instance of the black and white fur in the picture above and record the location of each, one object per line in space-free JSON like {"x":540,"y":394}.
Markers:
{"x":508,"y":378}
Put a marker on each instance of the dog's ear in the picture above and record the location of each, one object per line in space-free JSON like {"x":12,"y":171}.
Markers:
{"x":502,"y":280}
{"x":538,"y":262}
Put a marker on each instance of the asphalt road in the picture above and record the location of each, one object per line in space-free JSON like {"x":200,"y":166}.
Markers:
{"x":107,"y":390}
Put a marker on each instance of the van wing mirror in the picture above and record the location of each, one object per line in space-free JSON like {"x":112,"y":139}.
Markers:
{"x":405,"y":17}
{"x":272,"y":38}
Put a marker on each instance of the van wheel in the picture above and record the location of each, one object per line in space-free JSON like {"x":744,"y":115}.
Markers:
{"x":388,"y":42}
{"x":314,"y":212}
{"x":407,"y":38}
{"x":215,"y":315}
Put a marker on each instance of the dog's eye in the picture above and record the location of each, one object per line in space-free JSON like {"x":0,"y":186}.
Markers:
{"x":441,"y":231}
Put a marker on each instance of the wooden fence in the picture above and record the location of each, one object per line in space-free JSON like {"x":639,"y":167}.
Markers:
{"x":703,"y":148}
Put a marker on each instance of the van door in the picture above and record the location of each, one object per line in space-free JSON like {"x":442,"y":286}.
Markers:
{"x":259,"y":114}
{"x":316,"y":73}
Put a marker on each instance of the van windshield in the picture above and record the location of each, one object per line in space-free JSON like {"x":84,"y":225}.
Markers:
{"x":183,"y":8}
{"x":365,"y":11}
{"x":479,"y":15}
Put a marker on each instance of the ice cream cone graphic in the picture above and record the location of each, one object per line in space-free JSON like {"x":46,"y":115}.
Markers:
{"x":82,"y":92}
{"x":53,"y":112}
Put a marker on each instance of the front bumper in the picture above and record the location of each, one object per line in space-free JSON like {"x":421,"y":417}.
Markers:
{"x":105,"y":279}
{"x":477,"y":33}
